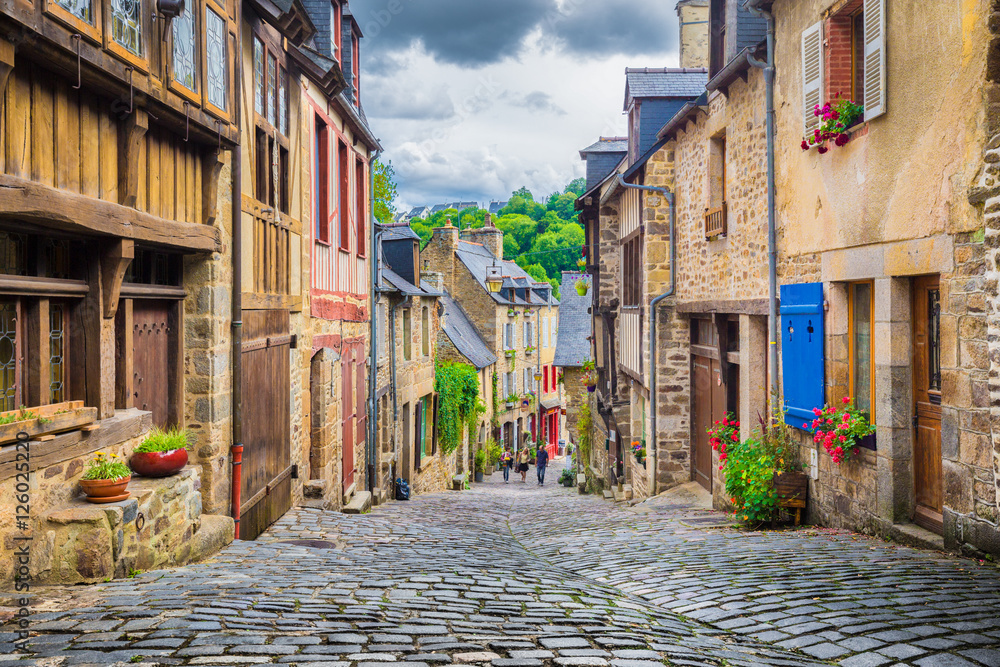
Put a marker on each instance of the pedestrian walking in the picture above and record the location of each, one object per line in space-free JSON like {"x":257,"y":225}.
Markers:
{"x":541,"y":461}
{"x":522,"y":463}
{"x":506,"y":463}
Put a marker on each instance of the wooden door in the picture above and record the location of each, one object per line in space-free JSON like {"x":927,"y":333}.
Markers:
{"x":152,"y":336}
{"x":701,"y":419}
{"x":348,"y":398}
{"x":927,"y":403}
{"x":266,"y":485}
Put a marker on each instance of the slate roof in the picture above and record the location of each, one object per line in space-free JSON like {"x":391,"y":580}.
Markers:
{"x":575,"y":324}
{"x":464,"y":336}
{"x":606,"y":145}
{"x":398,"y":232}
{"x":397,"y":283}
{"x":496,"y":206}
{"x":751,"y":30}
{"x":477,"y":258}
{"x":664,"y":82}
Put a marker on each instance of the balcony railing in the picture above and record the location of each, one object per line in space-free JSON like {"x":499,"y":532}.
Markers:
{"x":715,"y":222}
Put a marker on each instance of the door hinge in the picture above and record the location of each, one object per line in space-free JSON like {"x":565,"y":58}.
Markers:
{"x":294,"y":343}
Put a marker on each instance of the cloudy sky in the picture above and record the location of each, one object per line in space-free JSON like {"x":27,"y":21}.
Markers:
{"x":475,"y":98}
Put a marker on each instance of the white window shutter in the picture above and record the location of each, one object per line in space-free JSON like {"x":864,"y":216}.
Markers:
{"x":874,"y":58}
{"x":812,"y":75}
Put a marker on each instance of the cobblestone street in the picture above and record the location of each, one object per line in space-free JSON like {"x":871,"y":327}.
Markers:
{"x":517,"y":575}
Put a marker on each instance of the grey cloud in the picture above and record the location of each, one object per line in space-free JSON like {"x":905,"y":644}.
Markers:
{"x":541,"y":101}
{"x":387,"y":100}
{"x":469,"y":33}
{"x":607,"y":27}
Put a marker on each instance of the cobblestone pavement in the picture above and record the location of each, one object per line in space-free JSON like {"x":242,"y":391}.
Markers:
{"x":525,"y":576}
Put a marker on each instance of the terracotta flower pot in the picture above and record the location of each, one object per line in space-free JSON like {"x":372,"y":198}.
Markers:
{"x":159,"y":464}
{"x":98,"y":489}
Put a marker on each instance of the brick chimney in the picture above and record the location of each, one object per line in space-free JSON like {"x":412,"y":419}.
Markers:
{"x":693,"y":15}
{"x":488,"y":235}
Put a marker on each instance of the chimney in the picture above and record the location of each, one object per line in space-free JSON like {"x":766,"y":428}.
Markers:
{"x":488,"y":235}
{"x":693,"y":16}
{"x":435,"y":279}
{"x":439,"y":254}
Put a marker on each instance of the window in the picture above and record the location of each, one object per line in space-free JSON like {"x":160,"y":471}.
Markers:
{"x":81,"y":9}
{"x":344,"y":175}
{"x":552,"y":334}
{"x":860,"y":315}
{"x":528,"y":386}
{"x":632,"y":271}
{"x":216,"y":61}
{"x":356,"y":66}
{"x":545,"y":332}
{"x":845,"y":55}
{"x":407,"y":336}
{"x":270,"y":88}
{"x":184,"y":51}
{"x":715,"y":213}
{"x":555,"y":377}
{"x":381,"y":331}
{"x":359,"y":205}
{"x":425,"y":332}
{"x":335,"y":37}
{"x":127,"y":28}
{"x":717,"y":38}
{"x":321,"y":181}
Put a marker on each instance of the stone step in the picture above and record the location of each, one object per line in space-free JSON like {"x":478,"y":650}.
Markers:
{"x":360,"y":503}
{"x":609,"y":495}
{"x":215,"y":533}
{"x":627,"y":491}
{"x":913,"y":535}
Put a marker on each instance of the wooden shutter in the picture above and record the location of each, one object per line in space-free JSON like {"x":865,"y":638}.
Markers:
{"x":802,"y":351}
{"x":874,"y":58}
{"x":812,"y":75}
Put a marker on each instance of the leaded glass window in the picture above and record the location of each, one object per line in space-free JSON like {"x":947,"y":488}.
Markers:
{"x":12,"y":257}
{"x":272,"y":67}
{"x":81,"y":9}
{"x":283,"y":101}
{"x":57,"y":353}
{"x":217,"y":83}
{"x":258,"y":76}
{"x":9,"y":381}
{"x":126,"y":25}
{"x":185,"y":54}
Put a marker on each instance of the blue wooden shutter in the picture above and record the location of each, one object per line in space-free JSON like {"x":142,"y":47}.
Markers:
{"x":802,"y":356}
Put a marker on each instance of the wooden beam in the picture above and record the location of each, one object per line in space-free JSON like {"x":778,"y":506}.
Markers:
{"x":26,"y":201}
{"x":6,"y":66}
{"x":130,"y":142}
{"x":32,"y":286}
{"x":114,"y":263}
{"x":211,"y":168}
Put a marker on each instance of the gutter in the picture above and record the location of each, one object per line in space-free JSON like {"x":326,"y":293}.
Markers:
{"x":756,"y":7}
{"x":730,"y":72}
{"x":236,"y":449}
{"x":370,"y":448}
{"x":653,"y":392}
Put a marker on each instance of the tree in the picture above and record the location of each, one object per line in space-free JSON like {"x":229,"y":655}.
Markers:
{"x":510,"y":247}
{"x":423,"y":230}
{"x":522,"y":228}
{"x":385,"y":191}
{"x":563,"y":205}
{"x":557,"y":251}
{"x":524,"y":193}
{"x":576,"y":187}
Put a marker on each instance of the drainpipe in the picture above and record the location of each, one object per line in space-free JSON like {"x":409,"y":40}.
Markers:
{"x":772,"y":256}
{"x":370,"y":449}
{"x":652,"y":451}
{"x":237,"y":326}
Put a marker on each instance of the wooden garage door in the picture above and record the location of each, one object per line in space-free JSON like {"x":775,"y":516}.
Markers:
{"x":267,"y":486}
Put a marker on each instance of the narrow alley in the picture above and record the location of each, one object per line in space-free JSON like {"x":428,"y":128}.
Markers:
{"x":517,"y":575}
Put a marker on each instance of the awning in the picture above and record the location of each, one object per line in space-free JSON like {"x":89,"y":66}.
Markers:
{"x":550,"y":404}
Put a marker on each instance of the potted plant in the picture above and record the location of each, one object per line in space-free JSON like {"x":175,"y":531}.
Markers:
{"x":480,"y":463}
{"x":639,"y":451}
{"x":581,"y":263}
{"x":583,"y":286}
{"x":105,"y":479}
{"x":162,"y":453}
{"x":840,"y":429}
{"x":835,"y":119}
{"x":512,"y":401}
{"x":589,"y":379}
{"x":528,"y":350}
{"x":510,"y":354}
{"x":511,"y":312}
{"x":567,"y":478}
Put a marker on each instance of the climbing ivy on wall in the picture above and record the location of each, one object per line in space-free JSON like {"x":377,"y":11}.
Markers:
{"x":495,"y":419}
{"x":457,"y":387}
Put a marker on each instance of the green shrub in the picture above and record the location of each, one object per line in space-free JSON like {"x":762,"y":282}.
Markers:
{"x":480,"y":460}
{"x":749,"y":468}
{"x":165,"y":441}
{"x":107,"y":467}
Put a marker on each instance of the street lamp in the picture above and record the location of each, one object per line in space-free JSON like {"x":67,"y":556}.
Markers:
{"x":494,"y":281}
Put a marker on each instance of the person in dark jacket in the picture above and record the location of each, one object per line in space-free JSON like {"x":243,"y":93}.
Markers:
{"x":541,"y":461}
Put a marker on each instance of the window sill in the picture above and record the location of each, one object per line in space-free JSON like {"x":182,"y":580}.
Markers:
{"x":322,"y":242}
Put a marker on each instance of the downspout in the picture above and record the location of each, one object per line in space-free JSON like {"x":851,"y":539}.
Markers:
{"x":772,"y":256}
{"x":653,"y":362}
{"x":371,"y":450}
{"x":236,"y":478}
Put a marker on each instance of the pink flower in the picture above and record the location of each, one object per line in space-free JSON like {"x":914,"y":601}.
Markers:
{"x":846,"y":400}
{"x":817,"y":411}
{"x":805,"y":145}
{"x":822,"y":149}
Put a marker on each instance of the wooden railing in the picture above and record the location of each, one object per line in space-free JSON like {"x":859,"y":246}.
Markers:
{"x":715,"y":222}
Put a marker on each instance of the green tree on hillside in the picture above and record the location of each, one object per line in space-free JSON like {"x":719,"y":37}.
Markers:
{"x":576,"y":187}
{"x":385,"y":191}
{"x":557,"y":251}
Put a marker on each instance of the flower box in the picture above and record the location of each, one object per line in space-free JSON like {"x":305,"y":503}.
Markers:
{"x":45,"y":420}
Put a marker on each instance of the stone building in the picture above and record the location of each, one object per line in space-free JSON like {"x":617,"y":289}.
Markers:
{"x":408,"y":319}
{"x":891,"y":237}
{"x":692,"y":16}
{"x":572,"y":349}
{"x":460,"y":341}
{"x":115,"y":262}
{"x":506,"y":320}
{"x":716,"y":319}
